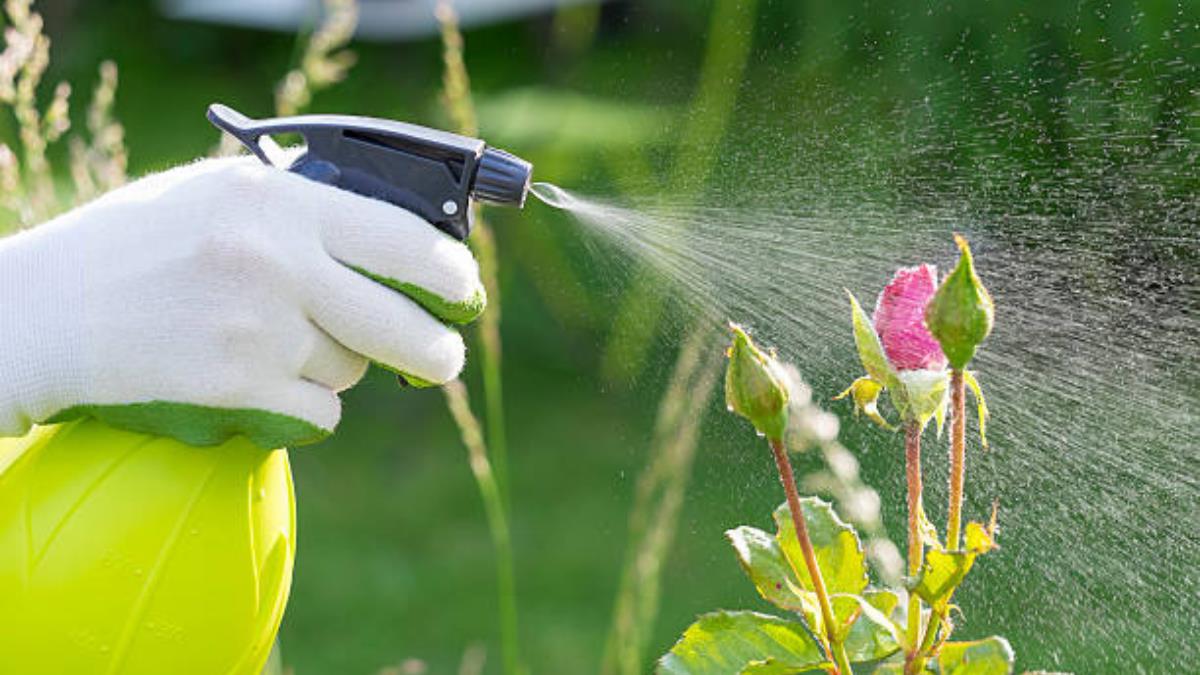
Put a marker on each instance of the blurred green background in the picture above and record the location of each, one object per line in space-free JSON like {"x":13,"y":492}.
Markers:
{"x":395,"y":561}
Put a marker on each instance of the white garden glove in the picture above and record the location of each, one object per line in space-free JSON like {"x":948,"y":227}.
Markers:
{"x":224,"y":297}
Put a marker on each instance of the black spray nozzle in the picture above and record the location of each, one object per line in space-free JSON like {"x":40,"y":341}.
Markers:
{"x":502,"y":178}
{"x":429,"y":172}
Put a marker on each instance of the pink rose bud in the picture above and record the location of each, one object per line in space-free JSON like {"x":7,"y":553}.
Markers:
{"x":900,"y":320}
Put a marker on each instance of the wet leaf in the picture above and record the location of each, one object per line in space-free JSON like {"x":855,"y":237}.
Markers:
{"x":940,"y":416}
{"x":773,"y":667}
{"x":973,"y":384}
{"x":926,"y":528}
{"x":990,"y":656}
{"x":724,"y":642}
{"x":979,"y":539}
{"x":941,"y":573}
{"x":870,"y":350}
{"x":890,"y":667}
{"x":920,"y":394}
{"x":760,"y":556}
{"x":865,"y":393}
{"x":838,"y":550}
{"x":865,"y":626}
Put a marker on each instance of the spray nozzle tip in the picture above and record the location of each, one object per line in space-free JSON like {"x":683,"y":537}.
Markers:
{"x":502,"y":178}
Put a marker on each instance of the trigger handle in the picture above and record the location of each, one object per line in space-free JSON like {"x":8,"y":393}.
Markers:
{"x":252,"y":135}
{"x":256,"y":136}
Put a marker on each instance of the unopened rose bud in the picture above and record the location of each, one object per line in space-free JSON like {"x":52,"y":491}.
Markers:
{"x":960,"y":314}
{"x":900,"y":320}
{"x":755,"y":387}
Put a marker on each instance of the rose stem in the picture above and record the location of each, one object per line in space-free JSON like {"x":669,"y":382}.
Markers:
{"x":958,"y":457}
{"x":810,"y":557}
{"x":958,"y":469}
{"x":912,"y":460}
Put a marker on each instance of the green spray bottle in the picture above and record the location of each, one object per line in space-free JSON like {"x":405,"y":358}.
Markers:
{"x":128,"y":554}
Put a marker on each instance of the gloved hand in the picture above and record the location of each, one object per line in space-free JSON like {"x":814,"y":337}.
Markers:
{"x":224,"y":297}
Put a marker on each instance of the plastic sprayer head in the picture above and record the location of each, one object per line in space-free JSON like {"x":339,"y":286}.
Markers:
{"x":502,"y":178}
{"x":429,"y":172}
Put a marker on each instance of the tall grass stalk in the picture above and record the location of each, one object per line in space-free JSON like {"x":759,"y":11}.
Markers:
{"x":473,"y":660}
{"x":27,"y":176}
{"x":323,"y":60}
{"x":101,"y":164}
{"x":456,"y":98}
{"x":458,"y":401}
{"x":27,"y":187}
{"x":658,"y":500}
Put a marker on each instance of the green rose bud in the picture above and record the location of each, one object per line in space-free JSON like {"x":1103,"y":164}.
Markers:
{"x":755,"y":387}
{"x":960,"y":314}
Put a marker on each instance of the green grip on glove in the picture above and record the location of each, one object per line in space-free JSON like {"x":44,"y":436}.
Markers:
{"x":201,"y":425}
